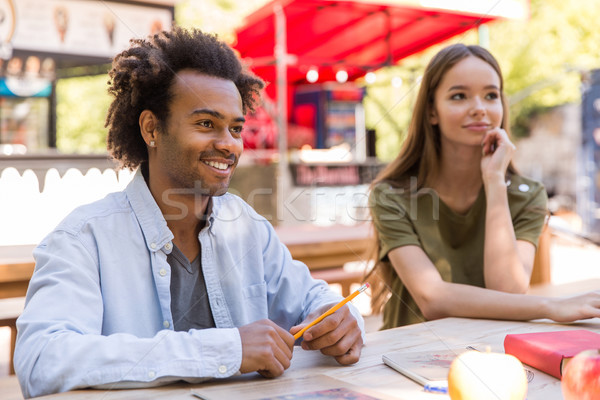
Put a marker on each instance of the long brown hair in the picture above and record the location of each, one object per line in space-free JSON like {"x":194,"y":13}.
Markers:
{"x":421,"y":151}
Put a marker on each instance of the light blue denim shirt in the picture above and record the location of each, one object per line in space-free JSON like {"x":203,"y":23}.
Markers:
{"x":98,"y":305}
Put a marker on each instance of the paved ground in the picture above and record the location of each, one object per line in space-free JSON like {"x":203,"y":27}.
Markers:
{"x":571,"y":261}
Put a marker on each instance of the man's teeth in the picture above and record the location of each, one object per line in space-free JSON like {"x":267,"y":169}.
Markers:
{"x":216,"y":165}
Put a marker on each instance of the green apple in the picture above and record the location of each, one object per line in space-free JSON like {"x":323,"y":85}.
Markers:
{"x":475,"y":375}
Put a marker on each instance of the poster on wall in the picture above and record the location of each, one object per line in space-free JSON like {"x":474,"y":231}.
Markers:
{"x":83,"y":27}
{"x":7,"y":27}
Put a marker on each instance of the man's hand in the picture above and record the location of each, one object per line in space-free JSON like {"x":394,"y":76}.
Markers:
{"x":266,"y":348}
{"x":338,"y":335}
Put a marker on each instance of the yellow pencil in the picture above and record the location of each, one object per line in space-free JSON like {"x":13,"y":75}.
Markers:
{"x":333,"y":309}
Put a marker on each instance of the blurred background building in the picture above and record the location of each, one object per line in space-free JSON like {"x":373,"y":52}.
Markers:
{"x":341,"y":76}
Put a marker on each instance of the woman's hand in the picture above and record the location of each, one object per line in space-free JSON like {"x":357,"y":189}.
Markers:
{"x":497,"y":152}
{"x":570,"y":309}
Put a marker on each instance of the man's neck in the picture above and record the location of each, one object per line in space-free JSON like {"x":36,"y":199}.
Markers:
{"x":185,"y":213}
{"x":186,"y":237}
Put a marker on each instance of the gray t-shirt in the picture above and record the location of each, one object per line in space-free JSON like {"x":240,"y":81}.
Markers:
{"x":189,"y":301}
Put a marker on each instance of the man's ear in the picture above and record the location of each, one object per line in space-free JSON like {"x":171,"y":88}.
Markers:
{"x":148,"y":127}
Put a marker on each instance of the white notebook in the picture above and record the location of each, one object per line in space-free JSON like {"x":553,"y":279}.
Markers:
{"x":423,"y":367}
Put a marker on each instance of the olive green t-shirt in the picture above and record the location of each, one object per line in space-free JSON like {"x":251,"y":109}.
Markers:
{"x":453,"y":242}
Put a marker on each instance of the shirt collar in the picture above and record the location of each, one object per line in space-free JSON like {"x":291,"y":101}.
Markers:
{"x":151,"y":220}
{"x":153,"y":224}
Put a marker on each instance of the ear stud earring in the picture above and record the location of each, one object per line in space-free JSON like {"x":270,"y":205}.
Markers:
{"x":152,"y":143}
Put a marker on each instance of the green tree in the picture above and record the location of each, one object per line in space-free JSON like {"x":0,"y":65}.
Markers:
{"x":81,"y":109}
{"x":542,"y":59}
{"x":82,"y":102}
{"x":218,"y":16}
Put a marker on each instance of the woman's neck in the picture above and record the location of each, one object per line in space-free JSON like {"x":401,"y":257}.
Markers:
{"x":458,"y":179}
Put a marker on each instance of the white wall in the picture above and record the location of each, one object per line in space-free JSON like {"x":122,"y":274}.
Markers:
{"x":26,"y":215}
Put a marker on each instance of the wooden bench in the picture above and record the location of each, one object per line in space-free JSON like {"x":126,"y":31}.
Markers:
{"x":16,"y":268}
{"x":10,"y":309}
{"x":325,"y":250}
{"x":340,"y":276}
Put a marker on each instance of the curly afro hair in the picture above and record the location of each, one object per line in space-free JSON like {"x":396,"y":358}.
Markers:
{"x":141,"y":78}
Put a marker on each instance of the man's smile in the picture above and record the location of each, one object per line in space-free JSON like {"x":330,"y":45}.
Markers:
{"x":217,"y":165}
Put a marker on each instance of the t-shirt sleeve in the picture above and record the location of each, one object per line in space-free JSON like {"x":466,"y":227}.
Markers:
{"x":391,"y":219}
{"x":530,"y":218}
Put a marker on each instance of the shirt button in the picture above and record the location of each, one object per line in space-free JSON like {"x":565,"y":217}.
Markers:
{"x":168,"y":246}
{"x":152,"y":245}
{"x":222,"y":369}
{"x":151,"y":374}
{"x":523,"y":187}
{"x":162,"y":272}
{"x":166,"y":324}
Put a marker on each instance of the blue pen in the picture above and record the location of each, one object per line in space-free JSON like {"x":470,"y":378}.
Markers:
{"x":440,"y":387}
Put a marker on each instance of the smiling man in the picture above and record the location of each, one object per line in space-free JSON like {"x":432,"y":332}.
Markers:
{"x":172,"y":278}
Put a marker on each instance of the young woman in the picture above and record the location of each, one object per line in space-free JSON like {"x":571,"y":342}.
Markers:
{"x":456,"y":226}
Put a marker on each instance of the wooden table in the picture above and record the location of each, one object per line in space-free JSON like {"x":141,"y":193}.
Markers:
{"x":369,"y":372}
{"x":9,"y":388}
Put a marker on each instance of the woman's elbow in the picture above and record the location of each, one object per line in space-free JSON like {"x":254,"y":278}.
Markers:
{"x":521,"y":288}
{"x":431,"y":307}
{"x":431,"y":314}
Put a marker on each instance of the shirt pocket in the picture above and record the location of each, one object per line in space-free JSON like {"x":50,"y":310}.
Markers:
{"x":255,"y":301}
{"x":258,"y":290}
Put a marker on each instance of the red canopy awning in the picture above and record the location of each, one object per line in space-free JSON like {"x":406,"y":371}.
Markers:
{"x":356,"y":36}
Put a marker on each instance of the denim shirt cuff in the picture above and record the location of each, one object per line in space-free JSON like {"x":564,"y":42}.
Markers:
{"x":224,"y":353}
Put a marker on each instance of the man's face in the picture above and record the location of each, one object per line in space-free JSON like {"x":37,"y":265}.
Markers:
{"x":202,"y":142}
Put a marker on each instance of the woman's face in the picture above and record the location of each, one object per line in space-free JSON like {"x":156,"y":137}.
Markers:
{"x":467,"y":102}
